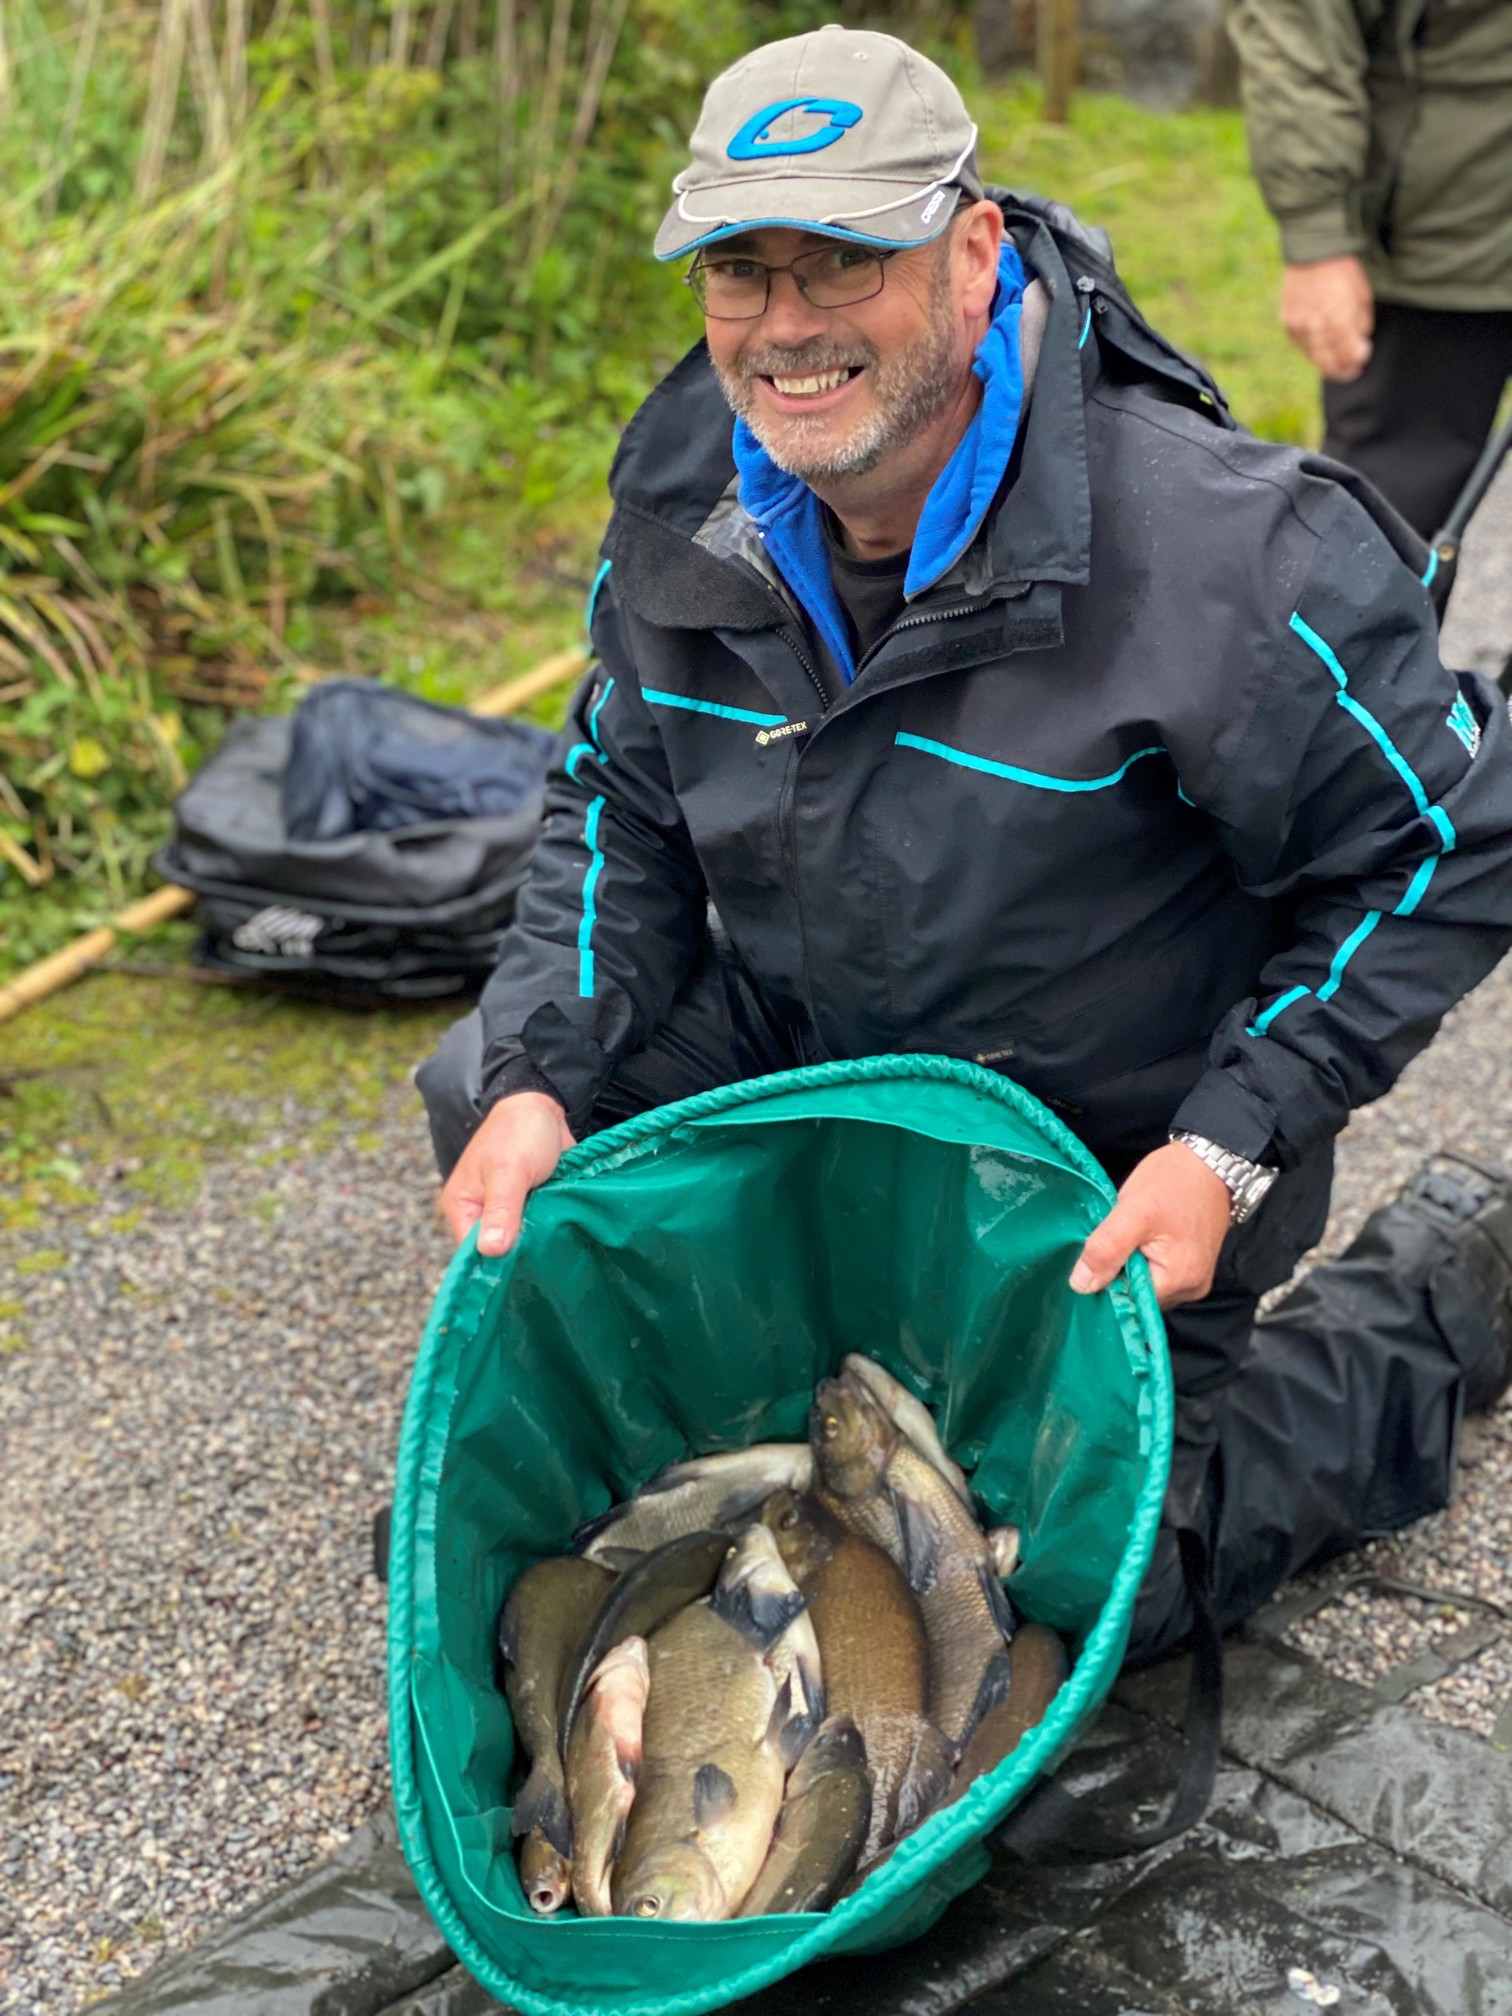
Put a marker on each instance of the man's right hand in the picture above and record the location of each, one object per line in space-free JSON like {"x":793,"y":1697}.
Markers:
{"x":1328,"y":310}
{"x":517,"y":1146}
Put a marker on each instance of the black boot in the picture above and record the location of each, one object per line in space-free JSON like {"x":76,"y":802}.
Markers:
{"x":1468,"y":1205}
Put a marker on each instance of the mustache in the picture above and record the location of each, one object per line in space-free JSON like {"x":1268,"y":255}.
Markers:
{"x":798,"y":360}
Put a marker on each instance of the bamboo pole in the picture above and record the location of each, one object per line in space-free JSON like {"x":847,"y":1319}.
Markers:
{"x":61,"y":969}
{"x":74,"y":961}
{"x":1056,"y":51}
{"x":553,"y":671}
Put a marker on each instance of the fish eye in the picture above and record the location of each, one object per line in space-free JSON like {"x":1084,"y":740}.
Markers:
{"x":789,"y":1519}
{"x":830,"y":1427}
{"x":647,"y":1907}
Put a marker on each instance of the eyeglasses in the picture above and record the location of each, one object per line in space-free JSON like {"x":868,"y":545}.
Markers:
{"x":737,"y":289}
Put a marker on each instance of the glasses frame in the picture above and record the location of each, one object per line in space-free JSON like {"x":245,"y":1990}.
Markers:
{"x":880,"y":253}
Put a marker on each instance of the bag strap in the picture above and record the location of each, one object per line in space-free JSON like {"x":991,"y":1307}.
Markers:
{"x":1053,"y":1825}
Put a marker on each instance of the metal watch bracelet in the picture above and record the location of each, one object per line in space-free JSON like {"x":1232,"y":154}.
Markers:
{"x":1247,"y":1182}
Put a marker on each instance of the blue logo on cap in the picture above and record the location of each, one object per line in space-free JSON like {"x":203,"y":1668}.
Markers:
{"x":752,"y":144}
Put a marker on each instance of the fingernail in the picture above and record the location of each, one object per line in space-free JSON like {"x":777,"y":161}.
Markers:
{"x":491,"y":1239}
{"x":1083,"y":1280}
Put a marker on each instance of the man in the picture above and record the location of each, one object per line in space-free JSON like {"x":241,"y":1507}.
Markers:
{"x":1008,"y":702}
{"x":1381,"y":134}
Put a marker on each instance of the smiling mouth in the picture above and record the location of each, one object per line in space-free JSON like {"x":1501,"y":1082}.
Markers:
{"x":814,"y":383}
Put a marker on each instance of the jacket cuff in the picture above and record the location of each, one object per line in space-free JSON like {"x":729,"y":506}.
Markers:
{"x":518,"y":1075}
{"x":1328,"y":232}
{"x":1220,"y":1109}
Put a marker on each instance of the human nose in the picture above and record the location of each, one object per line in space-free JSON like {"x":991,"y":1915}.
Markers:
{"x":790,"y":315}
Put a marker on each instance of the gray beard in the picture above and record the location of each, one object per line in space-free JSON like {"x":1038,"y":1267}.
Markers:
{"x":909,"y":390}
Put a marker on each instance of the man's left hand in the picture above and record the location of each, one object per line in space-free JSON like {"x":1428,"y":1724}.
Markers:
{"x":1175,"y":1211}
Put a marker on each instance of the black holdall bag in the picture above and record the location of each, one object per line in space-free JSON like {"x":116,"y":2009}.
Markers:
{"x":371,"y":844}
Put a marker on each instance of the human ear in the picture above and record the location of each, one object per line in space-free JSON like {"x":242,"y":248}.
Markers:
{"x":979,"y":238}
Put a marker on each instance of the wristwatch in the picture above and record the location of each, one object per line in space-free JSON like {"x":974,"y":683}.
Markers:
{"x":1247,"y":1181}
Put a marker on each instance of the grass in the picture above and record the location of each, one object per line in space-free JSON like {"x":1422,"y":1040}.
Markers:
{"x":139,"y":1081}
{"x":1190,"y":233}
{"x":117,"y":1093}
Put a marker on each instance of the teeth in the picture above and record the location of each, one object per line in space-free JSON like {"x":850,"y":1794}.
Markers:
{"x":823,"y":381}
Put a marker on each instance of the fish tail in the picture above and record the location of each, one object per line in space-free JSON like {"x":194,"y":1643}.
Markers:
{"x":542,"y":1803}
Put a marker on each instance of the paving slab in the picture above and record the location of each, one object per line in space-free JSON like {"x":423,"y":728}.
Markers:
{"x":1349,"y":1845}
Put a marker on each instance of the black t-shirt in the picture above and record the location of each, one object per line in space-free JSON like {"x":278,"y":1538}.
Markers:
{"x":870,"y":591}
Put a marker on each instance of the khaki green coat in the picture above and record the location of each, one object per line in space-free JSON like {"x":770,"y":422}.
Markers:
{"x":1384,"y":128}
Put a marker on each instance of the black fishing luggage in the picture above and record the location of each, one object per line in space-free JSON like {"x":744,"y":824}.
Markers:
{"x":372,"y":844}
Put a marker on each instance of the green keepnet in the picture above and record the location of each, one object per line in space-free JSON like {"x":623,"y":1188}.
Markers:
{"x":679,"y":1287}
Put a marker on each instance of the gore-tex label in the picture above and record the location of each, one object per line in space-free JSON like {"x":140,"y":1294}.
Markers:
{"x":781,"y":734}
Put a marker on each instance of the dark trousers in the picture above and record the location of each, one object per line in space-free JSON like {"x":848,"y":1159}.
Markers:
{"x":1418,"y":415}
{"x":1331,"y":1420}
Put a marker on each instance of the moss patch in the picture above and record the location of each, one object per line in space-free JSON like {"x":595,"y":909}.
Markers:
{"x":47,"y":1260}
{"x":139,"y":1081}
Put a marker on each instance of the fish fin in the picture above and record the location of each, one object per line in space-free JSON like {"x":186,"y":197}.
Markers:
{"x":670,"y":1476}
{"x":793,"y":1726}
{"x":1006,"y":1544}
{"x":812,"y":1682}
{"x":584,"y":1536}
{"x":760,"y":1616}
{"x":923,"y":1542}
{"x":713,"y":1795}
{"x":543,"y":1803}
{"x":997,"y":1685}
{"x":927,"y":1781}
{"x":997,"y":1601}
{"x":509,"y":1643}
{"x":620,"y":1559}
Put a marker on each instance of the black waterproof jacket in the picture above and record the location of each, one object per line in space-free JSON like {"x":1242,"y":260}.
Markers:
{"x":1160,"y":801}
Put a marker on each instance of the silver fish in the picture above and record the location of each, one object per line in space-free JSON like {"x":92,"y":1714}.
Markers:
{"x":723,"y":1490}
{"x":603,"y":1763}
{"x":720,"y":1737}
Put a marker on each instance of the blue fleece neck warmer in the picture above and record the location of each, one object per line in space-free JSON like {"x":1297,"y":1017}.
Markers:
{"x":788,"y":514}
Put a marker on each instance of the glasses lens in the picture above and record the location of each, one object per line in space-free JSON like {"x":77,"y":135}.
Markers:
{"x":837,"y":274}
{"x":731,"y":290}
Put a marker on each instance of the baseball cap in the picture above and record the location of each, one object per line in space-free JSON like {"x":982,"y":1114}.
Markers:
{"x":843,"y":131}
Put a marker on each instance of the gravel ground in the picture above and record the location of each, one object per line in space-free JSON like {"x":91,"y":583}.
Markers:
{"x":203,"y":1420}
{"x":192,"y":1446}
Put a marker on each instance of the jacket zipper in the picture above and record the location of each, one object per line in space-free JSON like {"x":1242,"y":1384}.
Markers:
{"x":815,"y":681}
{"x":913,"y":623}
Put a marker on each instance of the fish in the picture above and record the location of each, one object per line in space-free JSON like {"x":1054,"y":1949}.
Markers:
{"x":853,"y":1441}
{"x":645,"y":1596}
{"x":874,"y":1656}
{"x":603,"y":1762}
{"x":692,"y":1497}
{"x":720,"y":1736}
{"x":545,"y":1873}
{"x":967,"y":1617}
{"x":910,"y":1415}
{"x":821,"y":1827}
{"x":544,"y":1622}
{"x":1037,"y":1666}
{"x":757,"y":1591}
